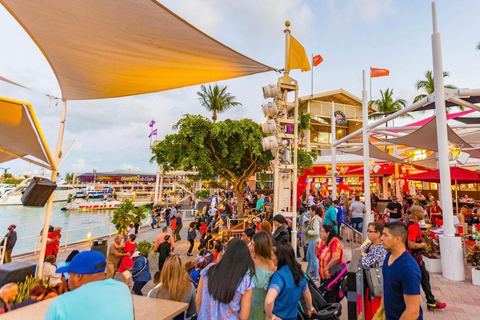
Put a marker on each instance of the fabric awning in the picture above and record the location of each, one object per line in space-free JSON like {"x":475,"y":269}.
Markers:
{"x":374,"y":153}
{"x":457,"y":175}
{"x":467,"y":120}
{"x":426,"y":138}
{"x":107,"y":49}
{"x":431,"y":105}
{"x":20,"y":134}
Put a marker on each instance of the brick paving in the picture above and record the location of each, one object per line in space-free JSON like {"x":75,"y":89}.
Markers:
{"x":462,"y":298}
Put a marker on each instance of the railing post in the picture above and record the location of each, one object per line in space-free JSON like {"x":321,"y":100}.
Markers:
{"x":36,"y":248}
{"x":66,"y":241}
{"x":4,"y":247}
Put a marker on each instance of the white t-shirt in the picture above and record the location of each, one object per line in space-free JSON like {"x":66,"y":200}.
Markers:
{"x":49,"y":273}
{"x":311,"y":200}
{"x":357,"y":209}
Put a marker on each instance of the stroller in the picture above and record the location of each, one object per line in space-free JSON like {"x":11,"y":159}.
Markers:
{"x":325,"y":311}
{"x":335,"y":289}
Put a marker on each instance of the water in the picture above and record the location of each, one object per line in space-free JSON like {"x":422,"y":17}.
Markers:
{"x":30,"y":221}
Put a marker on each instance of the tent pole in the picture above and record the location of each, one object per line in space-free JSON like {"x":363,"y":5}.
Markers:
{"x":368,"y":217}
{"x":450,"y":246}
{"x":48,"y":211}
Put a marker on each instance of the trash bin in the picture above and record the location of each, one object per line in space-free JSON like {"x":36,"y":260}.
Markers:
{"x":100,"y":245}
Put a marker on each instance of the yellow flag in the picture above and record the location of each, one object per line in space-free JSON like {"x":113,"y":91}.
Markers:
{"x":297,"y":57}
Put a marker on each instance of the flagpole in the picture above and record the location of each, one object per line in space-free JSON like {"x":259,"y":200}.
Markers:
{"x":151,"y":130}
{"x":371,"y":98}
{"x":312,"y":78}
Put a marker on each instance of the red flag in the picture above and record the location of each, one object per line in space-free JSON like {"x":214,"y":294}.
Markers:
{"x":377,"y":72}
{"x":317,"y":60}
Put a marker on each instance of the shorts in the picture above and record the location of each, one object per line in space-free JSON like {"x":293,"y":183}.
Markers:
{"x":357,"y":224}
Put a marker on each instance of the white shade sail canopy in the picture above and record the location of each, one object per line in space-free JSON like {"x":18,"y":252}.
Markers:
{"x":20,"y":134}
{"x":114,"y":48}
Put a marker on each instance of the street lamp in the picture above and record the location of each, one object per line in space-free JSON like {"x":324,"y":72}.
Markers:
{"x":94,"y":175}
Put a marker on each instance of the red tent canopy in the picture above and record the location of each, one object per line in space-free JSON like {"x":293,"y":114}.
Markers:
{"x":457,"y":175}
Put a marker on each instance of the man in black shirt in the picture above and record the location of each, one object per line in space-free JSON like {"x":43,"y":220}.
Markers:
{"x":394,"y":209}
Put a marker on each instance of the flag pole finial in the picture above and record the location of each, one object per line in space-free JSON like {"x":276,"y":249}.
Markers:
{"x":287,"y":23}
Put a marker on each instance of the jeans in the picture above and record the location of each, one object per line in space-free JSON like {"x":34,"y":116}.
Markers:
{"x":192,"y":242}
{"x":357,"y":224}
{"x":224,"y":218}
{"x":138,"y":286}
{"x":393,"y":220}
{"x":312,"y":258}
{"x":426,"y":284}
{"x":177,"y":232}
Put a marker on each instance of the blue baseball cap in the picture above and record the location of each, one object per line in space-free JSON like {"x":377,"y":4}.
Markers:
{"x":86,"y":262}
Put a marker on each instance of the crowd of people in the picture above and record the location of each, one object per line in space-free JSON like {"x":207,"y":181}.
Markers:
{"x":264,"y":275}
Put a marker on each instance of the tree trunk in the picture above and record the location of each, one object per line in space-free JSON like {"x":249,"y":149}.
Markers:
{"x":214,"y":117}
{"x":238,"y":192}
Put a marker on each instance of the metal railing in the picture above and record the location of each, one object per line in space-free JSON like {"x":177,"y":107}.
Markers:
{"x":352,"y":231}
{"x":3,"y":248}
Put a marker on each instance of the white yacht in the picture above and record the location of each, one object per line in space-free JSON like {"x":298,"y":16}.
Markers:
{"x":13,"y":197}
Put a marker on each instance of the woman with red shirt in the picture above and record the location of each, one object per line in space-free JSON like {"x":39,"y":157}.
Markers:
{"x":329,"y":252}
{"x":127,"y":261}
{"x":435,"y":212}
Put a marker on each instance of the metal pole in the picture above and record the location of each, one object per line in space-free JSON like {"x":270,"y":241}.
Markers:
{"x":155,"y":198}
{"x":334,"y":154}
{"x":311,"y":82}
{"x":161,"y":184}
{"x":450,"y":246}
{"x":366,"y":157}
{"x":48,"y":210}
{"x":295,"y":174}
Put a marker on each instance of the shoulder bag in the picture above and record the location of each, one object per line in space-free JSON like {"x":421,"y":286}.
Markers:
{"x":374,"y":278}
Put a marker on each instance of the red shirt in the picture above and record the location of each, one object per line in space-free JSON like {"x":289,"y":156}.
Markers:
{"x":415,"y":235}
{"x":52,"y":248}
{"x":203,"y":229}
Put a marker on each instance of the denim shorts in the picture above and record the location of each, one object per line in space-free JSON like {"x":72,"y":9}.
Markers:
{"x":357,"y":224}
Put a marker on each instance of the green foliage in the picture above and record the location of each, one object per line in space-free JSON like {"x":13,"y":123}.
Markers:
{"x":433,"y":247}
{"x":69,"y":177}
{"x":428,"y":86}
{"x":216,"y":99}
{"x":386,"y":105}
{"x":12,"y":181}
{"x":145,"y":247}
{"x":305,"y":160}
{"x":123,"y":216}
{"x":473,"y":256}
{"x":140,"y":213}
{"x":230,"y":149}
{"x":27,"y":285}
{"x":203,"y":194}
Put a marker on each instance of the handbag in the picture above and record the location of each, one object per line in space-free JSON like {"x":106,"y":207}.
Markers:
{"x":375,"y":281}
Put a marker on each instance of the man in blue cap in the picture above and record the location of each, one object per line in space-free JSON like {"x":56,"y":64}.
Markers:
{"x":91,"y":296}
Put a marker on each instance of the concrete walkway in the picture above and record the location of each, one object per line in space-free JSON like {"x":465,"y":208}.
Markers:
{"x":462,"y":298}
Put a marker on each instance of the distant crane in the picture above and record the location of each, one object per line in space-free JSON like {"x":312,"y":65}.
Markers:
{"x":5,"y":169}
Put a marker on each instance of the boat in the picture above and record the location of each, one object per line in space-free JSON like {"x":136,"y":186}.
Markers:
{"x":13,"y":197}
{"x":84,"y":205}
{"x":93,"y":191}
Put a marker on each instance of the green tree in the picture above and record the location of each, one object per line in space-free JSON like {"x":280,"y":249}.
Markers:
{"x":304,"y":124}
{"x":428,"y":85}
{"x":229,"y":150}
{"x":216,"y":99}
{"x":125,"y":215}
{"x":69,"y":177}
{"x":386,"y":105}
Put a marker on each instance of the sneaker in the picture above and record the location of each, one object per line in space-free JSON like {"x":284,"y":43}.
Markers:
{"x":436,"y":305}
{"x":316,"y":280}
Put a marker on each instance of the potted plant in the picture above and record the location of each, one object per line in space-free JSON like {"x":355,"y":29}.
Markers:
{"x":473,"y":257}
{"x":145,"y":247}
{"x":431,"y":256}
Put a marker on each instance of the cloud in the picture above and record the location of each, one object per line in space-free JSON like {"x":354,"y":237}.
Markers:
{"x":354,"y":11}
{"x":80,"y":165}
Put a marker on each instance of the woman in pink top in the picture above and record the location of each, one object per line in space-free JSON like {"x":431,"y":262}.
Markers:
{"x":329,"y":252}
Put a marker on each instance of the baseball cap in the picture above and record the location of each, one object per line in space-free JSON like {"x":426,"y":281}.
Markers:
{"x":86,"y":262}
{"x":394,"y":198}
{"x":136,"y":254}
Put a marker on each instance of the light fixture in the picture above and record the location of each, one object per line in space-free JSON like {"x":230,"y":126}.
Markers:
{"x":376,"y":168}
{"x":463,"y":157}
{"x":270,"y":109}
{"x":269,"y":126}
{"x":269,"y":143}
{"x":270,"y":91}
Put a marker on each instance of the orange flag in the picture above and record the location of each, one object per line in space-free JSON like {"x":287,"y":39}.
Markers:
{"x":377,"y":72}
{"x":317,"y":60}
{"x":297,"y":57}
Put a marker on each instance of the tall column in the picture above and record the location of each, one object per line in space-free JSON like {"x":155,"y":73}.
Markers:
{"x":334,"y":155}
{"x":450,"y":246}
{"x":368,"y":217}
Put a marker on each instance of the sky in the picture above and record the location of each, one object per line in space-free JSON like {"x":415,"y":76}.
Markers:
{"x":351,"y":36}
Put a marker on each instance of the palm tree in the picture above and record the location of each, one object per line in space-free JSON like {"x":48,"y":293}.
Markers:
{"x":386,"y":105}
{"x":304,"y":123}
{"x":478,"y":46}
{"x":428,"y":85}
{"x":216,"y":100}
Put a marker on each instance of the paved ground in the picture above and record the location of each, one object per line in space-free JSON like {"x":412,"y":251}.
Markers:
{"x":462,"y":298}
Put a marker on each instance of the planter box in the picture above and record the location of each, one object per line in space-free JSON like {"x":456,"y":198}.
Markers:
{"x":476,"y":277}
{"x":433,"y":265}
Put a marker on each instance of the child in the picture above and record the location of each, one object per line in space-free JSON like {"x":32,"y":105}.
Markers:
{"x":194,"y":274}
{"x":216,"y":251}
{"x":164,"y":251}
{"x":156,"y":281}
{"x":173,"y":226}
